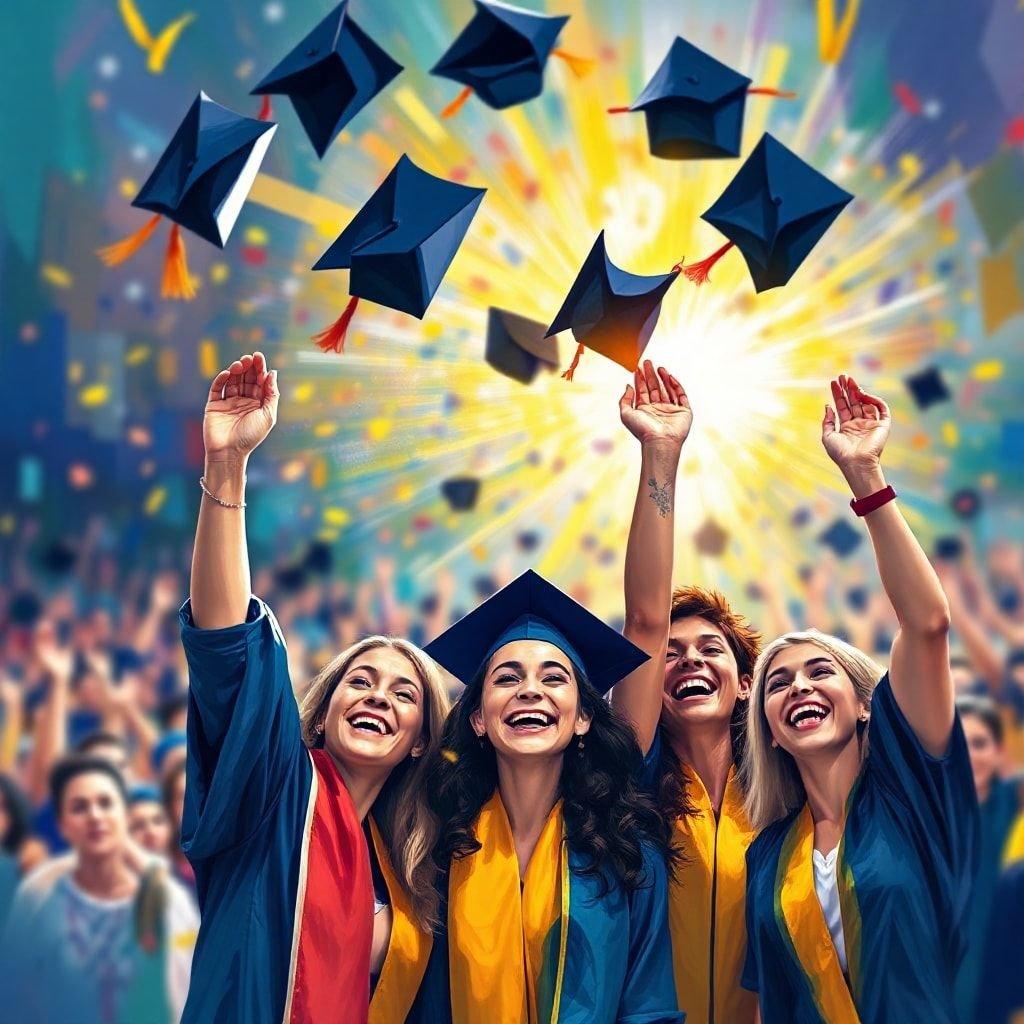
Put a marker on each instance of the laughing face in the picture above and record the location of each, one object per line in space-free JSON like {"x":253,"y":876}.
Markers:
{"x":530,"y":703}
{"x":810,"y":703}
{"x":702,"y":680}
{"x":376,"y":714}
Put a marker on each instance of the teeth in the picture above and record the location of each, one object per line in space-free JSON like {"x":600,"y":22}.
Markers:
{"x":530,"y":718}
{"x":361,"y":721}
{"x":693,"y":687}
{"x":805,"y":711}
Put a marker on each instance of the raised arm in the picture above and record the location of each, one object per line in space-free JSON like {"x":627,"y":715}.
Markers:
{"x":241,"y":410}
{"x":854,"y":435}
{"x":657,"y":413}
{"x":49,"y":734}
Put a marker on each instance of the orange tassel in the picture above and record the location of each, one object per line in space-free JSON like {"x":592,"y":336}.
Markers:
{"x":176,"y":283}
{"x":266,"y":111}
{"x":698,"y":272}
{"x":332,"y":339}
{"x":619,"y":110}
{"x":575,"y":362}
{"x":579,"y":66}
{"x":458,"y":103}
{"x":112,"y":255}
{"x":782,"y":94}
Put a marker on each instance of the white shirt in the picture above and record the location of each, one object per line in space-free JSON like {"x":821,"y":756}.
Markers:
{"x":826,"y":884}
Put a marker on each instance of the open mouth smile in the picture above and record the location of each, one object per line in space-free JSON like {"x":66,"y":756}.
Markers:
{"x":364,"y":722}
{"x":693,"y":686}
{"x":807,"y":715}
{"x":533,"y":720}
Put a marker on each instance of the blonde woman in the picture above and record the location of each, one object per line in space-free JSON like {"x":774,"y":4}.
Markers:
{"x":307,"y":898}
{"x":861,"y":781}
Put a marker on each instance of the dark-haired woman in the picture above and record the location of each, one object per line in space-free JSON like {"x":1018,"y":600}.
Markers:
{"x":688,"y":708}
{"x":556,"y":862}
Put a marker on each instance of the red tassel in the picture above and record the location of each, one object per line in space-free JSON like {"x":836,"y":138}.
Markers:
{"x":332,"y":339}
{"x":619,"y":110}
{"x":575,"y":362}
{"x":782,"y":94}
{"x":457,"y":104}
{"x":698,"y":272}
{"x":266,"y":111}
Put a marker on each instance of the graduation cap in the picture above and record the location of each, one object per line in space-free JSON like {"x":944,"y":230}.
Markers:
{"x":611,"y":310}
{"x":927,"y":387}
{"x":517,"y":347}
{"x":319,"y":559}
{"x":199,"y":183}
{"x":399,"y":245}
{"x":530,"y":608}
{"x":694,"y":105}
{"x":966,"y":503}
{"x":329,"y":77}
{"x":528,"y":540}
{"x":461,"y":492}
{"x":711,"y":539}
{"x":841,"y":537}
{"x":774,"y":211}
{"x":501,"y":55}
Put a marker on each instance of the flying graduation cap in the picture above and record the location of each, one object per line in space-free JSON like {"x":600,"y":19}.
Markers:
{"x":400,"y":244}
{"x":501,"y":55}
{"x":927,"y":387}
{"x":774,"y":211}
{"x":200,"y":184}
{"x":517,"y":347}
{"x":611,"y":310}
{"x":694,"y":105}
{"x":842,"y":538}
{"x":461,"y":492}
{"x":329,"y":77}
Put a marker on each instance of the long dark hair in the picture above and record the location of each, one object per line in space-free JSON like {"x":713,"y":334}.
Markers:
{"x":19,"y":817}
{"x":607,"y":816}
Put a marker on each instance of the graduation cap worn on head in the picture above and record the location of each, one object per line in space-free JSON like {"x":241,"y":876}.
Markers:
{"x":927,"y":387}
{"x":200,"y":183}
{"x":517,"y":347}
{"x":775,"y":210}
{"x":530,"y":608}
{"x":611,"y":310}
{"x":842,"y":538}
{"x":329,"y":77}
{"x":694,"y":105}
{"x":400,"y":244}
{"x":501,"y":55}
{"x":461,"y":492}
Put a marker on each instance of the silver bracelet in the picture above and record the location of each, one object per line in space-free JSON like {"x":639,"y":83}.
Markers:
{"x":220,"y":501}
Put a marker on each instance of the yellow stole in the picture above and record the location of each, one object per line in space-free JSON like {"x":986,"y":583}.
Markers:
{"x":500,"y":936}
{"x":799,"y":910}
{"x":719,"y":861}
{"x":408,"y":949}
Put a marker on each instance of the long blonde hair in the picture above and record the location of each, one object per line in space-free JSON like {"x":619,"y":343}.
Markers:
{"x":401,"y":811}
{"x":769,"y":775}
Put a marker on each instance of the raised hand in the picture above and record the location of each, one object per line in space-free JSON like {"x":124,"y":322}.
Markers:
{"x":655,"y":407}
{"x":854,"y":440}
{"x":241,"y":409}
{"x":57,"y":660}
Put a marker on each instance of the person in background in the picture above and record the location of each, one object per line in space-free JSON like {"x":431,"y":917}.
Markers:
{"x":148,"y":821}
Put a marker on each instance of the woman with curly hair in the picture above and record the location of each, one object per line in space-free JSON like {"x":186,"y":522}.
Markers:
{"x":555,"y":860}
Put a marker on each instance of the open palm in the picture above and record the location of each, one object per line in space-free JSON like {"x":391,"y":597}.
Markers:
{"x":655,"y":407}
{"x":859,"y":432}
{"x":241,"y":408}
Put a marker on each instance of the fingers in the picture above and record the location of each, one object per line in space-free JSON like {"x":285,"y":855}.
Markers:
{"x":640,"y":383}
{"x":828,"y":423}
{"x":217,"y":387}
{"x":653,"y":384}
{"x":848,"y":385}
{"x":259,"y":368}
{"x":626,"y":401}
{"x":233,"y":388}
{"x":682,"y":398}
{"x":248,"y":381}
{"x":841,"y":402}
{"x":871,"y":401}
{"x":667,"y":392}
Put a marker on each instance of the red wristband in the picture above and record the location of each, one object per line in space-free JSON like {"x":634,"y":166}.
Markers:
{"x":862,"y":506}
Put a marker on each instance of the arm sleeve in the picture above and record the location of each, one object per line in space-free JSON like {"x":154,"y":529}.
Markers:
{"x":244,"y":742}
{"x":649,"y":991}
{"x":650,"y":773}
{"x":749,"y":975}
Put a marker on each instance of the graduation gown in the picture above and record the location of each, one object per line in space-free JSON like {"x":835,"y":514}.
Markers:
{"x":906,"y":861}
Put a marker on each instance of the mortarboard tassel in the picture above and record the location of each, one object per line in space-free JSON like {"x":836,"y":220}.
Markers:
{"x":266,"y":111}
{"x":698,"y":272}
{"x":619,"y":110}
{"x":176,"y":282}
{"x":112,"y":255}
{"x":332,"y":339}
{"x":580,"y":348}
{"x":579,"y":66}
{"x":458,"y":103}
{"x":763,"y":90}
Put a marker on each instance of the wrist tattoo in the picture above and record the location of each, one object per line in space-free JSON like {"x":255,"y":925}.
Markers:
{"x":661,"y":496}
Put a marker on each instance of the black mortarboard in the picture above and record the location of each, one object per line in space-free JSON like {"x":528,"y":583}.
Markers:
{"x":400,"y":244}
{"x":774,"y":211}
{"x":461,"y":492}
{"x":530,"y":608}
{"x":517,"y":347}
{"x":200,"y":183}
{"x":528,"y":540}
{"x":501,"y":54}
{"x":711,"y":539}
{"x":330,"y":76}
{"x":610,"y":310}
{"x":927,"y":387}
{"x":966,"y":502}
{"x":694,"y":105}
{"x":841,"y":537}
{"x":318,"y":558}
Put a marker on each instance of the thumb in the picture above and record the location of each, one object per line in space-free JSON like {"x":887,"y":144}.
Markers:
{"x":626,"y":401}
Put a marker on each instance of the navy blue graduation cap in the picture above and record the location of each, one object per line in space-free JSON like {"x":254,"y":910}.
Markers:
{"x":329,"y":77}
{"x":774,"y":211}
{"x":200,"y":183}
{"x":842,"y":538}
{"x":530,"y":608}
{"x":694,"y":105}
{"x":400,"y":244}
{"x":517,"y":346}
{"x":461,"y":492}
{"x":501,"y":55}
{"x":928,"y":387}
{"x":611,"y":310}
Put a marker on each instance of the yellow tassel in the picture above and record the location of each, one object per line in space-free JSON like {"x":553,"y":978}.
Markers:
{"x":580,"y":348}
{"x":176,"y":283}
{"x":112,"y":255}
{"x":579,"y":66}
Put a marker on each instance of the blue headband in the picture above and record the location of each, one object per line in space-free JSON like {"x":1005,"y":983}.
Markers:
{"x":531,"y":627}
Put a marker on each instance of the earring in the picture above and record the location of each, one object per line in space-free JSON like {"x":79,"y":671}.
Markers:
{"x":579,"y":746}
{"x":775,"y":744}
{"x":320,"y":729}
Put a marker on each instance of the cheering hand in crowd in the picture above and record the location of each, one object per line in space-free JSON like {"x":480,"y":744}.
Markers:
{"x":855,"y":441}
{"x":655,"y":407}
{"x":241,"y":409}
